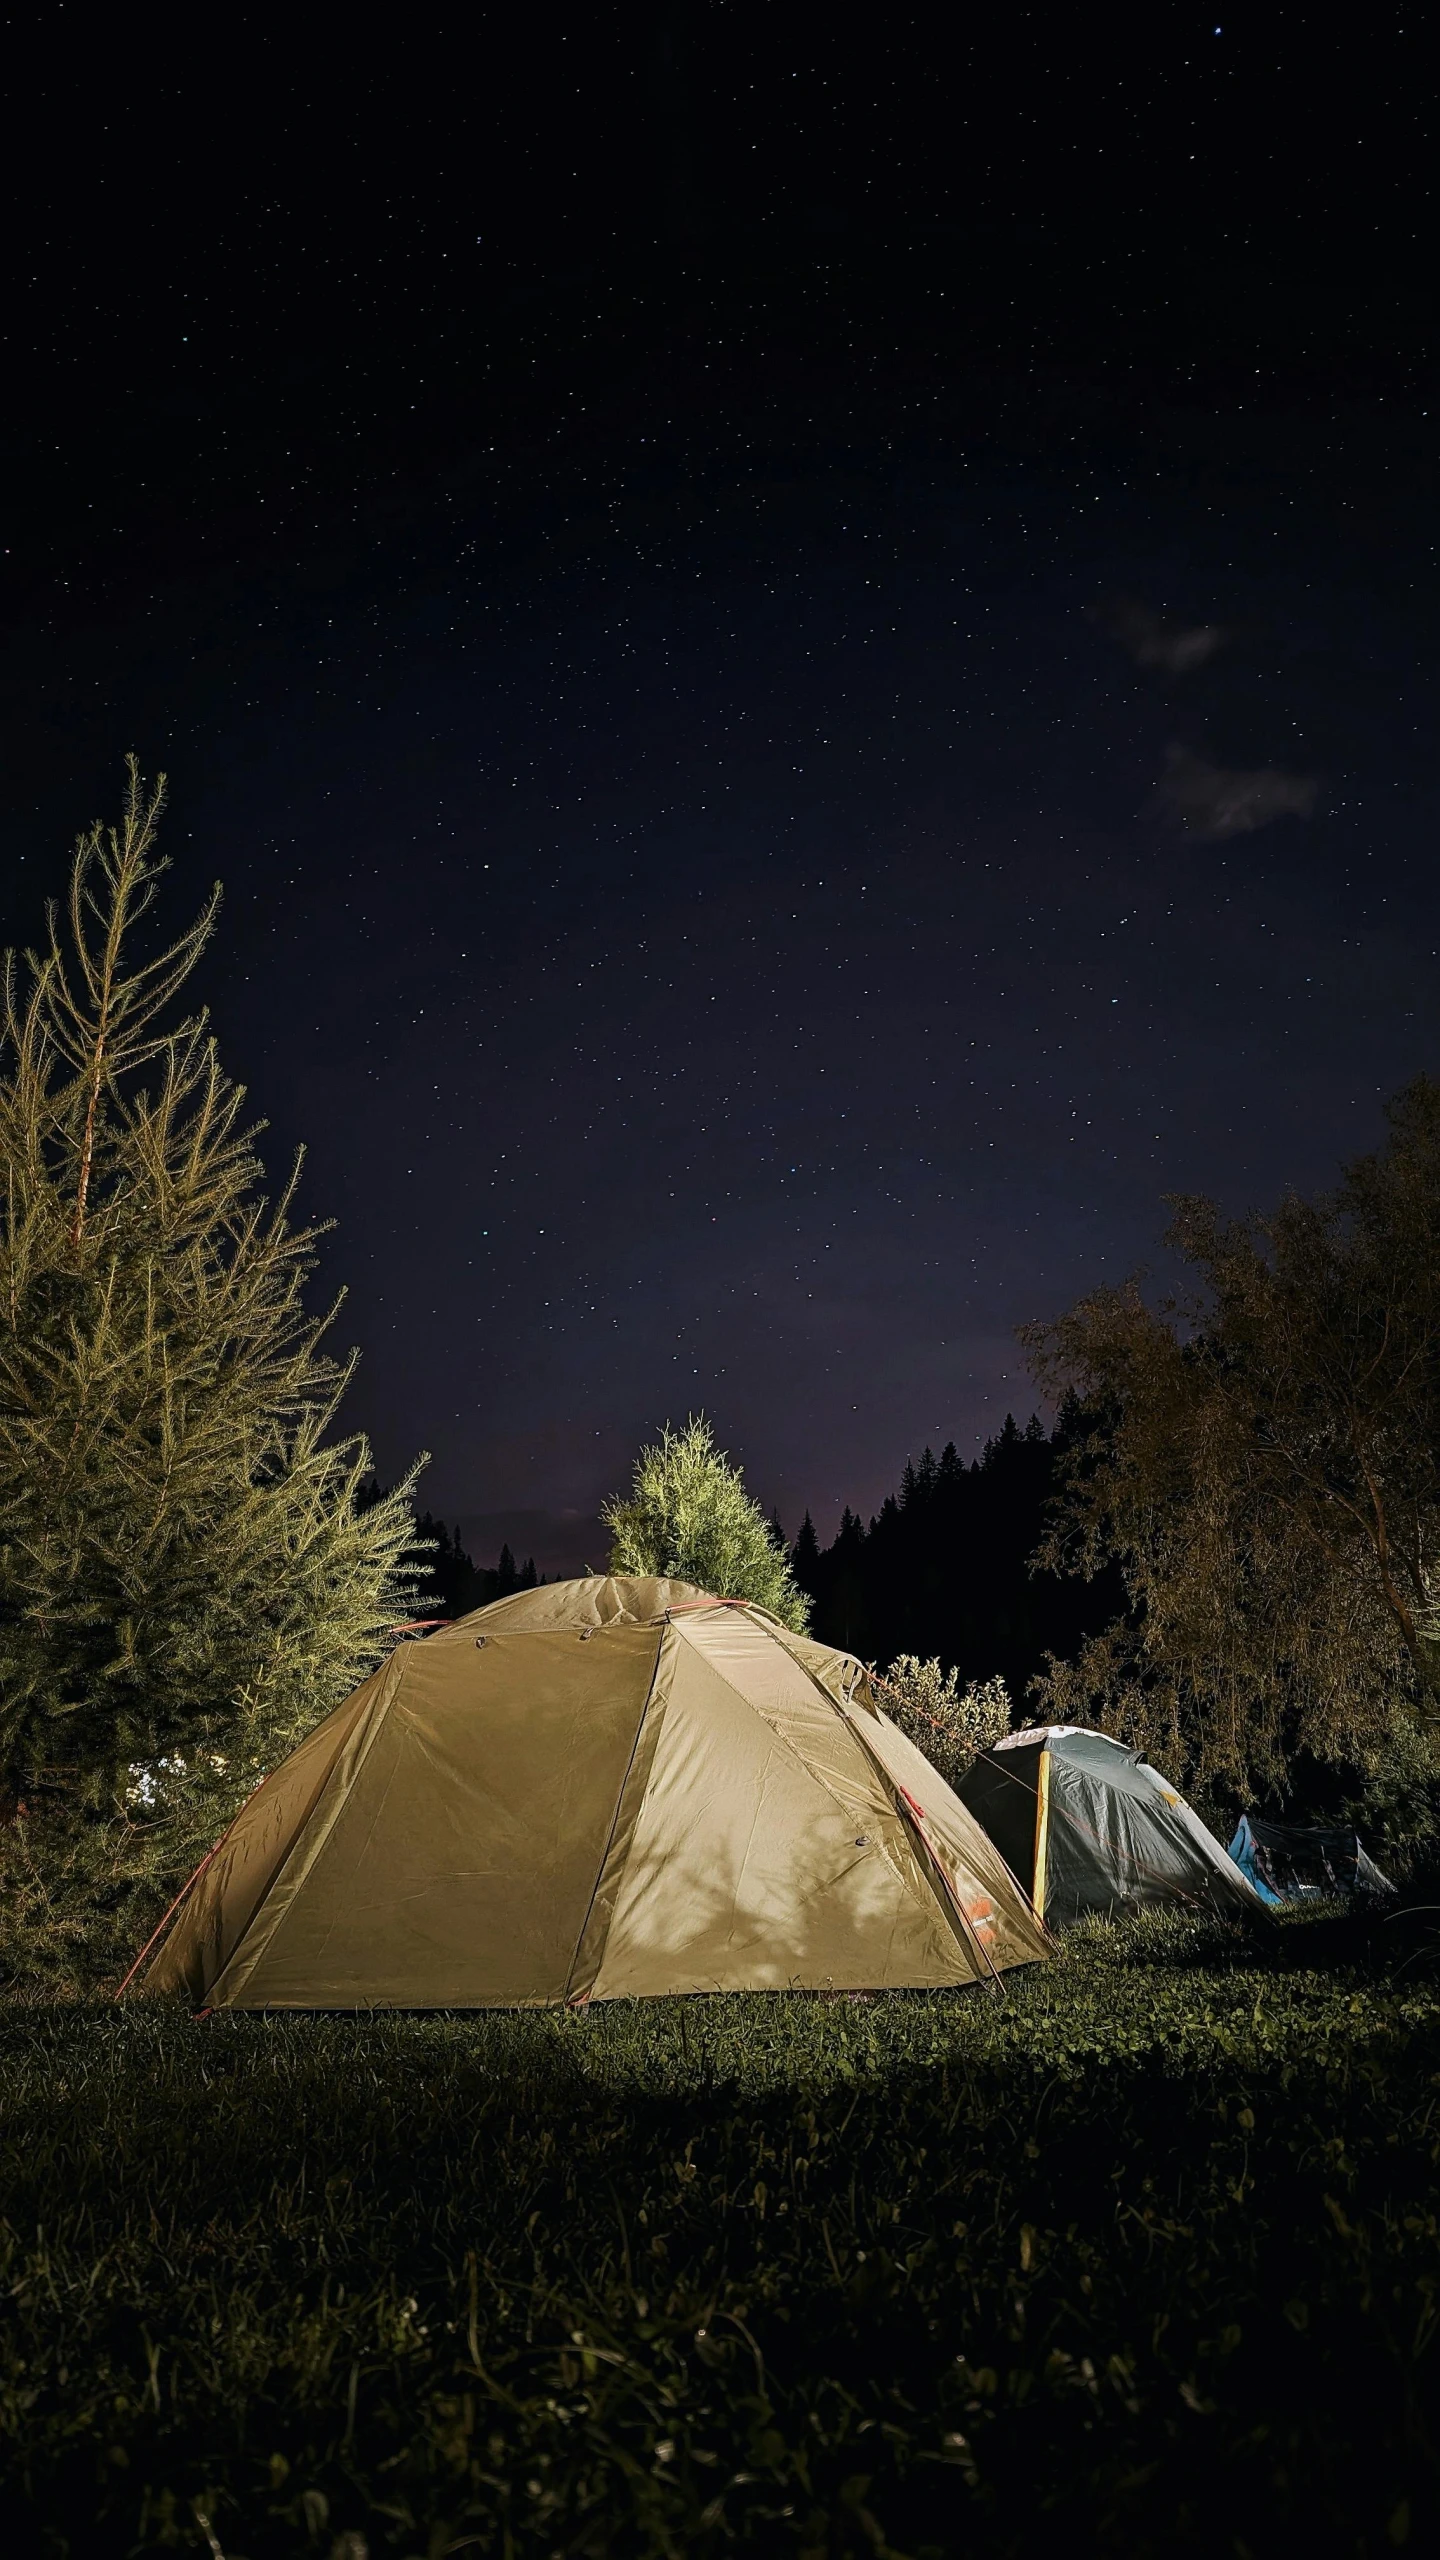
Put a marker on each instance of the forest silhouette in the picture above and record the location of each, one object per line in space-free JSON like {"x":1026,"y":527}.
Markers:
{"x":944,"y":1565}
{"x":942,"y":1569}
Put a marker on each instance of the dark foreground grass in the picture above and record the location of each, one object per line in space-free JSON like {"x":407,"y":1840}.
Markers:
{"x":1142,"y":2259}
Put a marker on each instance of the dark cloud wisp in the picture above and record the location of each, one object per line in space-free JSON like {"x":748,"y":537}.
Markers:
{"x":1159,"y":639}
{"x":1215,"y":800}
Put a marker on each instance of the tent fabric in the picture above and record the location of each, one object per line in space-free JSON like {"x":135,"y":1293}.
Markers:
{"x":608,"y":1789}
{"x":1293,"y":1862}
{"x":1088,"y":1826}
{"x":594,"y":1600}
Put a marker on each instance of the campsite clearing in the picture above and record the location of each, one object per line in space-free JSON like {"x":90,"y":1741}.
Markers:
{"x":1143,"y":2255}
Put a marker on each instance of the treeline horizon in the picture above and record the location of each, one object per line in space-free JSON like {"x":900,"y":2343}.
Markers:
{"x":449,"y":1583}
{"x":942,"y":1569}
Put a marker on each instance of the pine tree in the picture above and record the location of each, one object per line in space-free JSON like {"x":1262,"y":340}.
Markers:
{"x":805,"y":1559}
{"x":447,"y":1584}
{"x":946,"y":1565}
{"x":188,"y":1577}
{"x":690,"y":1516}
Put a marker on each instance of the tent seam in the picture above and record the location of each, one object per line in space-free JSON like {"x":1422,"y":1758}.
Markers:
{"x":911,"y":1823}
{"x":624,"y":1789}
{"x":783,"y":1739}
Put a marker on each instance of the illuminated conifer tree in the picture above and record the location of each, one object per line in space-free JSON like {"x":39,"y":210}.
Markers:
{"x":186,"y":1580}
{"x":690,"y":1516}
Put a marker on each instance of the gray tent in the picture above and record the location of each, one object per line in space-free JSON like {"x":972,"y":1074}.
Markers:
{"x":1086,"y":1824}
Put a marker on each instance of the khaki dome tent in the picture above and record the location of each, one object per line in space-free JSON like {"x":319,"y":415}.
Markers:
{"x":597,"y":1790}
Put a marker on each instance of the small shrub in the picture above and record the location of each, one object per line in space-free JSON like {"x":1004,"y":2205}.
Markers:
{"x":948,"y":1723}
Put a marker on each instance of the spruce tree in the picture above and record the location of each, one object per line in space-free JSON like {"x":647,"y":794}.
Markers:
{"x":187,"y":1578}
{"x":690,"y":1516}
{"x":805,"y":1559}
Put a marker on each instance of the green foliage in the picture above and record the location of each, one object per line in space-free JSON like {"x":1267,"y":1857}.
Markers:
{"x":186,"y":1580}
{"x":1263,"y":1461}
{"x":1394,"y":1797}
{"x":690,"y":1516}
{"x":80,"y":1891}
{"x":1145,"y":2247}
{"x":948,"y":1723}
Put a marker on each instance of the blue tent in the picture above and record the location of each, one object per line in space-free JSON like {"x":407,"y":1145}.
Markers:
{"x":1286,"y":1862}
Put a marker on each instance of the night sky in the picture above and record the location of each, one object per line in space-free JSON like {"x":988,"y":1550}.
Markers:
{"x":808,"y":658}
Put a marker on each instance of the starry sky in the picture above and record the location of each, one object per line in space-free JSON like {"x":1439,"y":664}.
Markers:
{"x":808,"y":658}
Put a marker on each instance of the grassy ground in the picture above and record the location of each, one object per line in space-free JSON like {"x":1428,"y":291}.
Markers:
{"x":1143,"y":2259}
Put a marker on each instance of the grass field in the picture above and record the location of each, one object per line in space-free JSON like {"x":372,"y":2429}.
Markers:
{"x":1141,"y":2259}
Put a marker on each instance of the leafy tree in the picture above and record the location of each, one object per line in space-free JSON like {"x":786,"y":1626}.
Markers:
{"x":1263,"y":1461}
{"x":690,"y":1516}
{"x":186,"y":1578}
{"x":948,"y":1723}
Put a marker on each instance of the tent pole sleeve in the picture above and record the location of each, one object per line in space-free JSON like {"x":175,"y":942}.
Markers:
{"x":1042,"y":1833}
{"x":971,"y":1933}
{"x":590,"y":1945}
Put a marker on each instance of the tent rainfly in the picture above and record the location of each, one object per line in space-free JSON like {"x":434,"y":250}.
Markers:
{"x":1087,"y":1825}
{"x":598,"y":1790}
{"x":1288,"y":1862}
